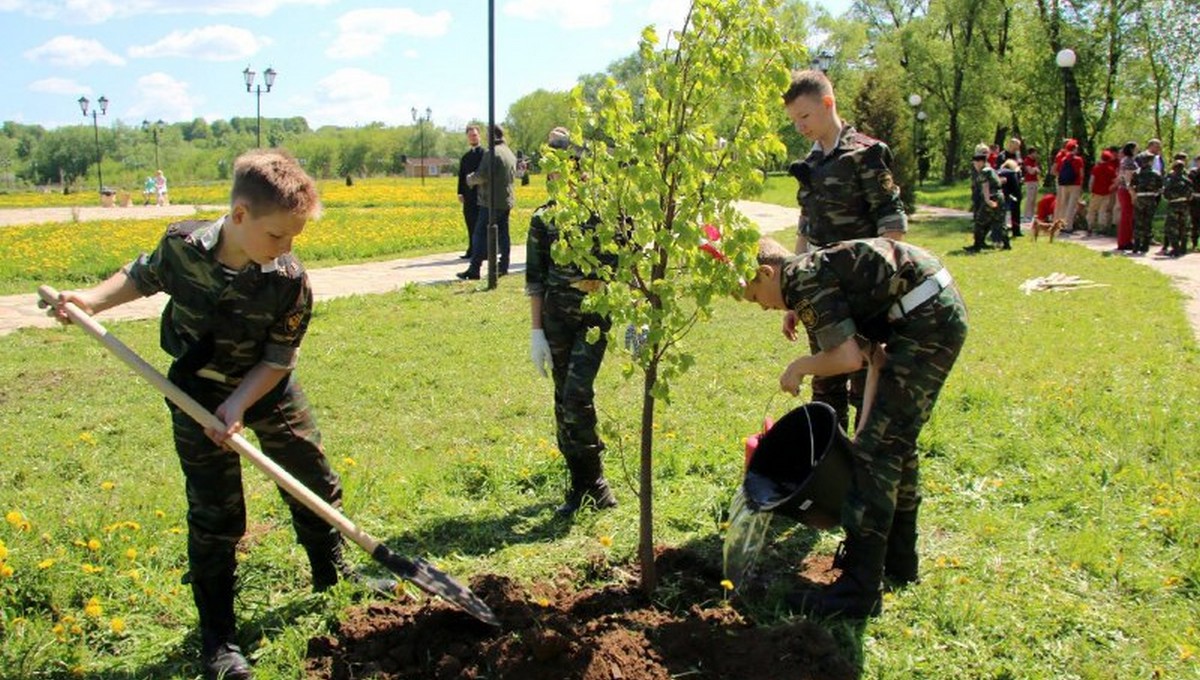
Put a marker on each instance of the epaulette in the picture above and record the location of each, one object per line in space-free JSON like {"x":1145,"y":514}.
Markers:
{"x":862,"y":139}
{"x":184,"y":229}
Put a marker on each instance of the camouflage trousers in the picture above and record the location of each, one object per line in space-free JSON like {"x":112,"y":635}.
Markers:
{"x":287,"y":433}
{"x":1175,"y":228}
{"x":1143,"y":221}
{"x":921,"y":351}
{"x":839,"y":391}
{"x":575,"y":365}
{"x":1194,"y":208}
{"x":989,"y":222}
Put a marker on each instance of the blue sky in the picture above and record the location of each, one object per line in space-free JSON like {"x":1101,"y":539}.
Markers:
{"x":339,"y":62}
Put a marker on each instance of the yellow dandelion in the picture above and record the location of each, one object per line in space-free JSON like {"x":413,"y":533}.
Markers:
{"x":6,"y":571}
{"x":46,"y":563}
{"x":117,"y":625}
{"x":91,"y":568}
{"x":107,"y":485}
{"x":543,"y":602}
{"x":131,"y":554}
{"x":87,"y":438}
{"x":1161,"y":512}
{"x":3,"y":551}
{"x":134,"y":574}
{"x":93,"y":609}
{"x":15,"y":518}
{"x":58,"y":630}
{"x":77,"y":629}
{"x":1186,"y":652}
{"x":350,"y":462}
{"x":93,"y":544}
{"x":727,"y":584}
{"x":176,"y":530}
{"x":606,"y":541}
{"x":159,"y":514}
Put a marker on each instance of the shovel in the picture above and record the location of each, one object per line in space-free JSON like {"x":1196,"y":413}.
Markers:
{"x":415,"y":570}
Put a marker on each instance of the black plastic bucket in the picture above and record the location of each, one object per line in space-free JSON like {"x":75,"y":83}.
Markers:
{"x":801,"y":467}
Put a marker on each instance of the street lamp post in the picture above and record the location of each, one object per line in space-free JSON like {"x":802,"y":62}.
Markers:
{"x":922,"y":161}
{"x":83,"y":105}
{"x":823,"y":61}
{"x":421,"y":136}
{"x":1066,"y":61}
{"x":269,"y":78}
{"x":914,"y":100}
{"x":153,"y":129}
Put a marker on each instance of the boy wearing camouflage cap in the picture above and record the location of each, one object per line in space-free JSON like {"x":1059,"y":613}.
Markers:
{"x":1177,"y":190}
{"x":240,"y":305}
{"x":1147,"y":185}
{"x":987,"y":203}
{"x":895,"y":303}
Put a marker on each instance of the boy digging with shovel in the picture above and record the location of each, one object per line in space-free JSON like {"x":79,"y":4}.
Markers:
{"x":854,"y":297}
{"x":240,"y":305}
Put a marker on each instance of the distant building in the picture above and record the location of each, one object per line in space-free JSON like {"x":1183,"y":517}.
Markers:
{"x":428,"y":167}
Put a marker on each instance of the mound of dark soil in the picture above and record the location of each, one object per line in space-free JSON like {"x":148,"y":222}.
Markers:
{"x":557,"y":633}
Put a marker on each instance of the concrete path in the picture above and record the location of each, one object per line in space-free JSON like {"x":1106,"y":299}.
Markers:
{"x":20,"y":311}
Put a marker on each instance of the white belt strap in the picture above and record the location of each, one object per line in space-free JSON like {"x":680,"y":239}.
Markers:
{"x":924,"y":292}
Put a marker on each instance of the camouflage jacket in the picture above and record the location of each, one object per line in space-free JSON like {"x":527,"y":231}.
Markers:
{"x":985,"y":185}
{"x":848,"y":192}
{"x":541,"y":271}
{"x":1176,"y":186}
{"x":228,"y":327}
{"x":1194,"y":175}
{"x":846,"y":289}
{"x":1147,"y":181}
{"x":504,"y":165}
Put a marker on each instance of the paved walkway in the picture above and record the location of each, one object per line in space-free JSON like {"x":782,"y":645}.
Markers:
{"x":20,"y":311}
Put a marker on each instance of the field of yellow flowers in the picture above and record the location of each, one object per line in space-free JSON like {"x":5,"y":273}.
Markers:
{"x":371,"y":220}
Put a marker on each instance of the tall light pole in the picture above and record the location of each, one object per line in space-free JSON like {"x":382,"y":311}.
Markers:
{"x":914,"y":101}
{"x":153,"y":129}
{"x":1066,"y":61}
{"x":83,"y":105}
{"x":421,"y":136}
{"x":269,"y":78}
{"x":921,"y":161}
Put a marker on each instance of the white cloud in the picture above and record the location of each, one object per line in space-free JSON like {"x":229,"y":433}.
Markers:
{"x":363,"y":32}
{"x":353,"y":96}
{"x":567,"y":13}
{"x":58,"y":86}
{"x":72,"y":52}
{"x":209,"y":43}
{"x":159,"y":96}
{"x":98,"y":11}
{"x":666,"y":15}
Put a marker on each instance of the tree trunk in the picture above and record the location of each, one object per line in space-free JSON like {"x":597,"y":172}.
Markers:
{"x":646,"y":486}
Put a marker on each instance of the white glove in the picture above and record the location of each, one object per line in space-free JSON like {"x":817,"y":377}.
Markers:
{"x":539,"y":350}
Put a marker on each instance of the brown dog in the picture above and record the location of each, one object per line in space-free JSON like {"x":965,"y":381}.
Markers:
{"x":1051,"y":228}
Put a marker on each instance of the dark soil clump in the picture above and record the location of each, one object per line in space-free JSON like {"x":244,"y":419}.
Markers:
{"x":558,"y":633}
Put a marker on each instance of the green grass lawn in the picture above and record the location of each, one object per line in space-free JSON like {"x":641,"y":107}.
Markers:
{"x":1060,"y":533}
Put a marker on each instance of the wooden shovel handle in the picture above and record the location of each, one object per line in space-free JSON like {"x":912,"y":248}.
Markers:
{"x":202,"y":416}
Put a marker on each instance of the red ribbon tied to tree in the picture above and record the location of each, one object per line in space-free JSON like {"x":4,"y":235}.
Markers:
{"x":708,"y":243}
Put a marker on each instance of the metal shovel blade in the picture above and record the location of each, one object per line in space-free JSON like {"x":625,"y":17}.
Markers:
{"x":435,"y":582}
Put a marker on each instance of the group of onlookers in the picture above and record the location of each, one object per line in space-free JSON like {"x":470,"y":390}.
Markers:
{"x":1124,"y":189}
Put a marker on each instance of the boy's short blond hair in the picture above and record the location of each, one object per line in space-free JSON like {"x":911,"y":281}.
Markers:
{"x":772,"y":252}
{"x":269,"y":180}
{"x":807,"y":83}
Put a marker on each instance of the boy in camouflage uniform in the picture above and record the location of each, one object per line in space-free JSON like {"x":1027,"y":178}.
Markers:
{"x":240,"y":305}
{"x":1147,"y":185}
{"x":1194,"y":176}
{"x":845,"y":191}
{"x":987,"y":203}
{"x":559,"y":337}
{"x":1177,"y":190}
{"x":893,"y":302}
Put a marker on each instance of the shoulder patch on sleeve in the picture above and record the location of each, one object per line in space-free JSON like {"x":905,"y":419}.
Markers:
{"x":294,"y":320}
{"x":807,"y":314}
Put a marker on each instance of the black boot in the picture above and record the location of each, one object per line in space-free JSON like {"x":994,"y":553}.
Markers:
{"x":900,"y":562}
{"x":221,"y":656}
{"x":596,"y":493}
{"x":856,"y":592}
{"x":329,"y":564}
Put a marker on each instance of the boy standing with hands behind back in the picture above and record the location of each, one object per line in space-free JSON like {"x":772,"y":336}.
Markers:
{"x":240,"y":305}
{"x":846,"y":191}
{"x":895,"y":303}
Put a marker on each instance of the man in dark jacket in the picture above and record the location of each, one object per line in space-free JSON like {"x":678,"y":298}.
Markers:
{"x":467,"y":195}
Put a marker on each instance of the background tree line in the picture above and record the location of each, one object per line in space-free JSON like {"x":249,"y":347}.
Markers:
{"x":984,"y":70}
